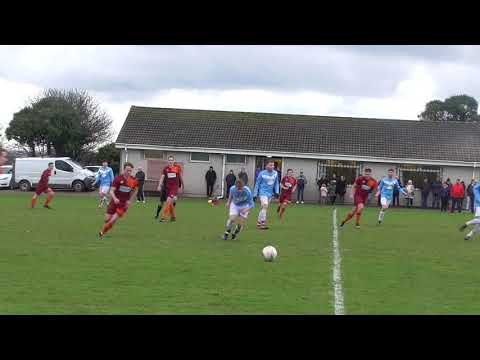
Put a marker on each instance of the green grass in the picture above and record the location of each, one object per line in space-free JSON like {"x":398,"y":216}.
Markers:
{"x":52,"y":263}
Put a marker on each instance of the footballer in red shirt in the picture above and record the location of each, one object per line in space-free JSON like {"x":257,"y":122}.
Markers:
{"x":362,"y":187}
{"x":171,"y":179}
{"x":124,"y":188}
{"x":287,"y":187}
{"x":42,"y":188}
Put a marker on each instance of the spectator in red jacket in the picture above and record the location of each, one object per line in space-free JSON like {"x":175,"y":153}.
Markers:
{"x":457,"y":194}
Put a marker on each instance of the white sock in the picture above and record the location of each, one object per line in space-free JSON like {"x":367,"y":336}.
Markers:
{"x":229,"y":225}
{"x":474,"y":221}
{"x":381,"y":215}
{"x":262,"y":216}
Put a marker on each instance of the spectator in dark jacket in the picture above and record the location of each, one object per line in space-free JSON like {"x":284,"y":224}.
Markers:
{"x":425,"y":192}
{"x":210,"y":178}
{"x":471,"y":196}
{"x":243,"y":176}
{"x":140,"y":176}
{"x":436,"y":189}
{"x":331,"y":191}
{"x":444,"y":197}
{"x":257,"y":171}
{"x":230,"y":180}
{"x":457,"y":194}
{"x":341,"y":189}
{"x":301,"y":182}
{"x":396,"y":193}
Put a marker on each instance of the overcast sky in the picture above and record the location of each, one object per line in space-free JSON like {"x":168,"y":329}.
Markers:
{"x":362,"y":81}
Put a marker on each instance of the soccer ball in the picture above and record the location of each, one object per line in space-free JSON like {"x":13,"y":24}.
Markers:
{"x":213,"y":202}
{"x":269,"y":253}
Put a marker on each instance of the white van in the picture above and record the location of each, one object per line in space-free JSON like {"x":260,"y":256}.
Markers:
{"x":67,"y":174}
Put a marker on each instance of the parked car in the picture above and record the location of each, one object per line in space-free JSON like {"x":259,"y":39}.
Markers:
{"x":93,"y":168}
{"x":6,"y":176}
{"x":67,"y":174}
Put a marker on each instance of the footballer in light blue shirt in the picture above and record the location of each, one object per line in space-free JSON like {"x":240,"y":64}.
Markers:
{"x":266,"y":186}
{"x":386,"y":186}
{"x":476,"y":220}
{"x":239,"y":203}
{"x":104,"y":178}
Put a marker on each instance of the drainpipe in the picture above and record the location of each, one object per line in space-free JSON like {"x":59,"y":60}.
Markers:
{"x":126,"y":154}
{"x":223,"y":176}
{"x":474,"y":166}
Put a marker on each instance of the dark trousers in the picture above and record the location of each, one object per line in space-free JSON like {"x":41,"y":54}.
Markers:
{"x":228,"y":189}
{"x":424,"y":199}
{"x":209,"y":189}
{"x":409,"y":202}
{"x":436,"y":201}
{"x":332,"y":199}
{"x":444,"y":207}
{"x":300,"y":193}
{"x":341,"y":198}
{"x":472,"y":204}
{"x":396,"y":199}
{"x":456,"y":203}
{"x":140,"y":194}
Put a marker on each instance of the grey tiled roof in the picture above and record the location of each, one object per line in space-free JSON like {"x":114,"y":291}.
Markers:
{"x":264,"y":132}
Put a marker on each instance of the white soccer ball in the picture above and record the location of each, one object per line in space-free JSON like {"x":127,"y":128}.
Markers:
{"x":269,"y":253}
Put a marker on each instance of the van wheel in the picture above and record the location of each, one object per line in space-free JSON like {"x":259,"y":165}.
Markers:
{"x":78,"y":186}
{"x":24,"y":185}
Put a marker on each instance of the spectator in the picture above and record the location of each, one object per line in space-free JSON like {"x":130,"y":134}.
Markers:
{"x":323,"y":193}
{"x":277,"y":169}
{"x":320,"y":182}
{"x":257,"y":171}
{"x":301,"y":182}
{"x":410,"y":193}
{"x":331,"y":191}
{"x":210,"y":178}
{"x":341,"y":189}
{"x":396,"y":193}
{"x":464,"y":194}
{"x":140,"y":176}
{"x":436,"y":189}
{"x":444,"y":197}
{"x":243,"y":176}
{"x":230,"y":180}
{"x":425,"y":192}
{"x":457,"y":194}
{"x":471,"y":197}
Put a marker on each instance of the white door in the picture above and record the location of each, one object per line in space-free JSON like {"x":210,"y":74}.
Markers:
{"x":63,"y":175}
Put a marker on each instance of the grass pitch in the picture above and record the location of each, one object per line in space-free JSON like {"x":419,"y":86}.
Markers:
{"x":52,"y":262}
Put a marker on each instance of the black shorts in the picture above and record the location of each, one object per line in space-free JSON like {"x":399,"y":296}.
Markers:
{"x":163,"y":196}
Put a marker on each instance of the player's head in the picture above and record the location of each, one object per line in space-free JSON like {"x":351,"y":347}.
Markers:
{"x":171,"y":160}
{"x":290,"y":172}
{"x":127,"y":169}
{"x":3,"y":156}
{"x":50,"y":165}
{"x":390,"y":172}
{"x":270,"y":165}
{"x":105,"y":164}
{"x":239,"y":184}
{"x":367,"y":173}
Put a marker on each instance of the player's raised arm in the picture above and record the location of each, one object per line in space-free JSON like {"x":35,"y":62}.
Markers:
{"x":401,"y":189}
{"x":229,"y":200}
{"x":251,"y":204}
{"x":160,"y":182}
{"x":276,"y":189}
{"x":257,"y":184}
{"x":379,"y":187}
{"x":112,"y":177}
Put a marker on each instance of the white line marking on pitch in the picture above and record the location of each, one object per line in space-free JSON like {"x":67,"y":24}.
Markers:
{"x":337,"y":269}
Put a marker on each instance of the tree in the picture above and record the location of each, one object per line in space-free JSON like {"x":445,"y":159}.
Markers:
{"x":462,"y":108}
{"x":111,"y":154}
{"x":67,"y":122}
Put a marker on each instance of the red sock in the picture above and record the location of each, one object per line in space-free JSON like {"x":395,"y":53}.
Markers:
{"x":166,"y":211}
{"x":49,"y":199}
{"x":347,"y":219}
{"x":34,"y":202}
{"x":106,"y":227}
{"x":357,"y":218}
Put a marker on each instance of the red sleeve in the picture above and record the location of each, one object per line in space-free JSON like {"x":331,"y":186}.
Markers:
{"x":116,"y":182}
{"x":165,"y":172}
{"x":180,"y":180}
{"x":358,"y":182}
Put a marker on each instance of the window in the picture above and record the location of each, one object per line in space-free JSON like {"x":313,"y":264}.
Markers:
{"x":417,"y":173}
{"x":348,"y":169}
{"x":236,"y":159}
{"x":153,"y":154}
{"x":204,"y":157}
{"x":63,"y":166}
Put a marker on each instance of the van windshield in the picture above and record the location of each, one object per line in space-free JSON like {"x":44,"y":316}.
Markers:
{"x":76,"y":164}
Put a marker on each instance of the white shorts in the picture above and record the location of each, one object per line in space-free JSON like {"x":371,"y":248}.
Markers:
{"x":385,"y":202}
{"x":264,"y":200}
{"x":477,"y":211}
{"x":104,"y":189}
{"x":237,"y":210}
